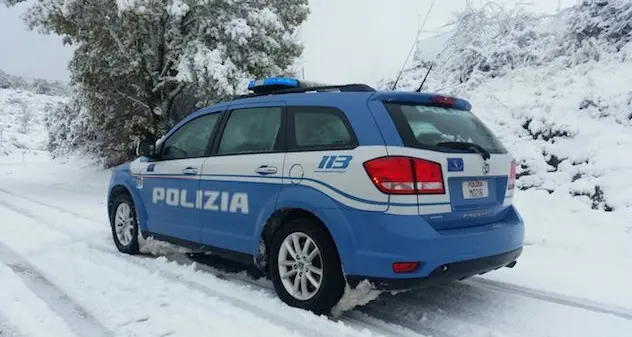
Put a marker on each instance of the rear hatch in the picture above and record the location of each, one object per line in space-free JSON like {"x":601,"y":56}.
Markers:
{"x":450,"y":146}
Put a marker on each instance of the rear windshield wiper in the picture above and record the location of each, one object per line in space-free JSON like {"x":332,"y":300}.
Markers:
{"x":466,"y":146}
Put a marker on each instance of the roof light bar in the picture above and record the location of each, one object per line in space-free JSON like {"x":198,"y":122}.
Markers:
{"x":283,"y":85}
{"x":273,"y":82}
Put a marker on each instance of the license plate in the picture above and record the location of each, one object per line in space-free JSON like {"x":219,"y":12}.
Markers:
{"x":475,"y":189}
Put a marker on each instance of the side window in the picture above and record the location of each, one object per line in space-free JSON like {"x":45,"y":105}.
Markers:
{"x":321,"y":128}
{"x":192,"y":139}
{"x":252,"y":130}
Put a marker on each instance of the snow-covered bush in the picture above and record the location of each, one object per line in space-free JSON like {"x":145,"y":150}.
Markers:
{"x":25,"y":118}
{"x":69,"y":129}
{"x":21,"y":120}
{"x":38,"y":85}
{"x":556,"y":89}
{"x":605,"y":20}
{"x":489,"y":41}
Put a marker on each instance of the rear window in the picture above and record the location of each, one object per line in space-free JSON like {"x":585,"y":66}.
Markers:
{"x":428,"y":127}
{"x":319,"y":128}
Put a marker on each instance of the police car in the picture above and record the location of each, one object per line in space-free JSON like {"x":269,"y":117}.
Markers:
{"x":325,"y":186}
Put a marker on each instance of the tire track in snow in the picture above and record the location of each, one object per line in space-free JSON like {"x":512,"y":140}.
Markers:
{"x":280,"y":320}
{"x":457,"y":310}
{"x":6,"y":329}
{"x":380,"y":328}
{"x":46,"y":222}
{"x":140,"y":302}
{"x":303,"y":328}
{"x":494,"y":286}
{"x":497,"y":286}
{"x":391,"y":327}
{"x":430,"y":311}
{"x":60,"y":209}
{"x":550,"y":297}
{"x":375,"y":325}
{"x":393,"y":317}
{"x":354,"y":318}
{"x":79,"y":320}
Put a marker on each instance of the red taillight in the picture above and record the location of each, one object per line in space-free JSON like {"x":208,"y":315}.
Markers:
{"x":428,"y":176}
{"x":405,"y":175}
{"x":392,"y":175}
{"x":405,"y":267}
{"x":512,"y":176}
{"x":443,"y":101}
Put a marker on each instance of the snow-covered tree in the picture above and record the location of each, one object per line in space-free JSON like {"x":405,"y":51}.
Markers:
{"x":489,"y":40}
{"x":144,"y":64}
{"x":10,"y":2}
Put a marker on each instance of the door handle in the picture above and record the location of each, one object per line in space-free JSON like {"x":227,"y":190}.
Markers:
{"x":191,"y":171}
{"x":266,"y":169}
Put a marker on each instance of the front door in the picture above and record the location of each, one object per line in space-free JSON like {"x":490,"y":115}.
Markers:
{"x":242,"y":179}
{"x":171,"y":183}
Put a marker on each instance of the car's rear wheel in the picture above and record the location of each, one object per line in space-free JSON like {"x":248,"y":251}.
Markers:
{"x":124,"y":224}
{"x":305,"y":267}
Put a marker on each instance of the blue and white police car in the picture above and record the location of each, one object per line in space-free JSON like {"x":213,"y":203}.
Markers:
{"x":321,"y":186}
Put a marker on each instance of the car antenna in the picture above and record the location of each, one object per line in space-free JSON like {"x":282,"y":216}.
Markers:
{"x":425,"y":78}
{"x":401,"y":71}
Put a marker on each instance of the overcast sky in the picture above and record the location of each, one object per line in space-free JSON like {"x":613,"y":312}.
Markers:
{"x":345,"y":40}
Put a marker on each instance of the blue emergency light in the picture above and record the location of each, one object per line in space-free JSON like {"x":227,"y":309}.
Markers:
{"x":280,"y":85}
{"x":273,"y":84}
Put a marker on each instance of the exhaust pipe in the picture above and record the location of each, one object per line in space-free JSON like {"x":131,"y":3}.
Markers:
{"x":511,"y":264}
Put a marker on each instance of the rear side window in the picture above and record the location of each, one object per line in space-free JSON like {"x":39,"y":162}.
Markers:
{"x":433,"y":127}
{"x":320,"y":128}
{"x":252,"y":130}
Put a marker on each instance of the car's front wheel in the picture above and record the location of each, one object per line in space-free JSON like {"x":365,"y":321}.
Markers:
{"x":304,"y":266}
{"x":124,"y":224}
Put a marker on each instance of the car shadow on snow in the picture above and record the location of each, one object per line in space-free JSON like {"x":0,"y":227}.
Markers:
{"x":424,"y":306}
{"x":436,"y":305}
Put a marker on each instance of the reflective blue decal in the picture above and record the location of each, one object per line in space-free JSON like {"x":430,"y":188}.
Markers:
{"x":455,"y":164}
{"x":150,"y":167}
{"x":334,"y":163}
{"x":236,"y":202}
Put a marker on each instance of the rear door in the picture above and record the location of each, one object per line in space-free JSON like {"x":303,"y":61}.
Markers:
{"x":475,"y":167}
{"x":243,"y":176}
{"x":324,"y":157}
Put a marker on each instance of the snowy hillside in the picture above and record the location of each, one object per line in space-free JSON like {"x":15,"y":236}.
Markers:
{"x":557,"y":90}
{"x":35,"y":85}
{"x":22,"y":117}
{"x":561,"y":103}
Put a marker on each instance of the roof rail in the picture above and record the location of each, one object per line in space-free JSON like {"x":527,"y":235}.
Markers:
{"x":312,"y":87}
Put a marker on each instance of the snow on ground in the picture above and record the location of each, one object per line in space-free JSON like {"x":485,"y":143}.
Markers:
{"x":61,"y":275}
{"x":58,"y":261}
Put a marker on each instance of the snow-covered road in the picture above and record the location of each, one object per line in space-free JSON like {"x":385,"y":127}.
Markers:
{"x":60,"y":275}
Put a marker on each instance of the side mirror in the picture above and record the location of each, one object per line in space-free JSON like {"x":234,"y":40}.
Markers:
{"x":146,"y":149}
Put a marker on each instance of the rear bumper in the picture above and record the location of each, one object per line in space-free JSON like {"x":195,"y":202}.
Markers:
{"x":377,"y":241}
{"x":442,"y":274}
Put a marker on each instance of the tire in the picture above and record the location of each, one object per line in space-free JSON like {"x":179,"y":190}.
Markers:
{"x":319,"y":300}
{"x":124,"y":243}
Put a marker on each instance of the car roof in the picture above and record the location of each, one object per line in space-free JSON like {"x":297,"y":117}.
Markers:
{"x":327,"y":98}
{"x":332,"y":98}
